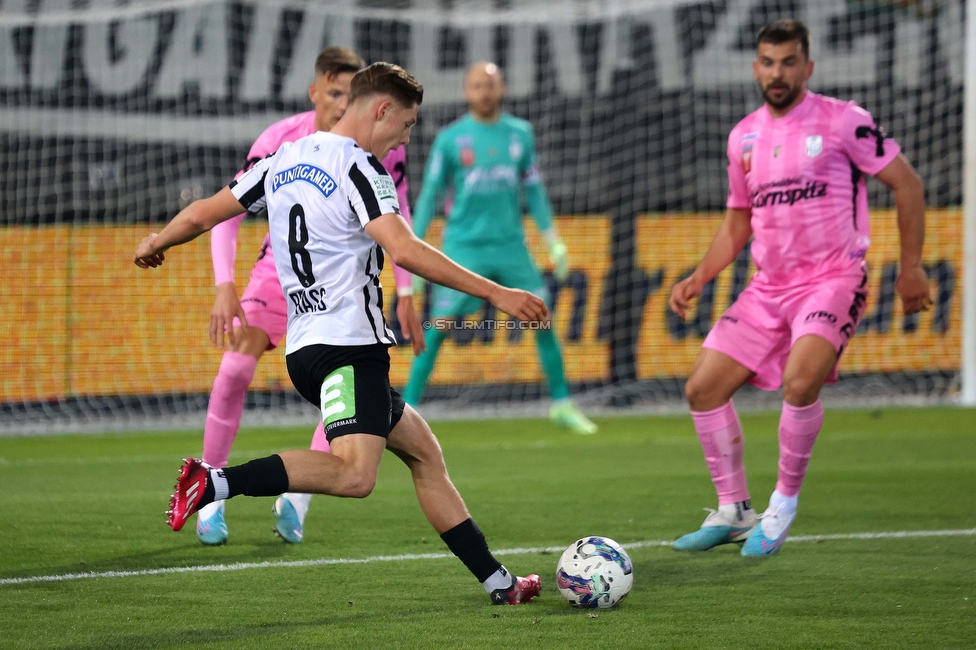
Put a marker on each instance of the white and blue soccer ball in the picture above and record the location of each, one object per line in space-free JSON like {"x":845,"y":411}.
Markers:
{"x":594,"y":572}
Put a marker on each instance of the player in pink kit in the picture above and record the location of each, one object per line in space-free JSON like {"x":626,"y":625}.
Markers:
{"x":258,"y":321}
{"x":796,"y":185}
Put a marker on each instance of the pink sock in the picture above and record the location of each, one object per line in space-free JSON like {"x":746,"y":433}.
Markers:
{"x":319,"y":441}
{"x":798,"y":429}
{"x":226,"y":406}
{"x":720,"y":433}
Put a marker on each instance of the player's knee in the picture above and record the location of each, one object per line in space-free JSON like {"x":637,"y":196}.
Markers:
{"x":357,"y":487}
{"x":697,"y":393}
{"x":236,"y":370}
{"x":252,"y":341}
{"x":362,"y":490}
{"x":799,"y":390}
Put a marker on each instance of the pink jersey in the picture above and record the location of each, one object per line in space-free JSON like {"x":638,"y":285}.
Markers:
{"x":802,"y":175}
{"x":223,"y":239}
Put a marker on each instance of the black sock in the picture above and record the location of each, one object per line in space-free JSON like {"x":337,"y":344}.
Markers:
{"x":741,"y":507}
{"x":263,"y":477}
{"x":468,"y":543}
{"x":208,"y":493}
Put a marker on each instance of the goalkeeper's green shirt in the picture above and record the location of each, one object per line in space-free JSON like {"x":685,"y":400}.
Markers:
{"x":483,"y":166}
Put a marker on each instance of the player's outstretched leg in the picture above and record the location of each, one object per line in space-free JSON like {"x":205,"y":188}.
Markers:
{"x":563,"y":412}
{"x":798,"y":430}
{"x":349,"y":474}
{"x":414,"y":443}
{"x":199,"y":485}
{"x":291,"y":507}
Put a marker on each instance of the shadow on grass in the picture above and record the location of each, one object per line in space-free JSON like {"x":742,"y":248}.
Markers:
{"x":722,"y":566}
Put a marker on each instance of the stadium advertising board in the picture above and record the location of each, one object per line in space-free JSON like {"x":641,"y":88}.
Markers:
{"x":669,"y":247}
{"x":86,"y":321}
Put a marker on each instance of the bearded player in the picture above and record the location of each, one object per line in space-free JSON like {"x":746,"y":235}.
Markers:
{"x":796,"y":186}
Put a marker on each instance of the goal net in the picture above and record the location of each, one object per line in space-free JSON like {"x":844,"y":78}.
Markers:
{"x":114,"y":114}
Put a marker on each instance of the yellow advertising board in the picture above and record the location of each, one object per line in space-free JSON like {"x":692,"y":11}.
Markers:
{"x":34,"y":327}
{"x":83,"y":320}
{"x":88,"y":322}
{"x":669,"y":246}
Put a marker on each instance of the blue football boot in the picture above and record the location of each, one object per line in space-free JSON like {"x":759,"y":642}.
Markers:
{"x":774,"y":526}
{"x":718,"y":528}
{"x":211,"y":527}
{"x":289,"y":525}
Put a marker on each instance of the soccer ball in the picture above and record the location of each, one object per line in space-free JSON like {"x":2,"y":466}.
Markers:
{"x":594,"y":572}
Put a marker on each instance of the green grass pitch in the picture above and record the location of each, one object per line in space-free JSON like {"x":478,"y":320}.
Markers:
{"x":77,"y":504}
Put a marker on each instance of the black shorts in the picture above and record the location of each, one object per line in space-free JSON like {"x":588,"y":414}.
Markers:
{"x":351,"y":384}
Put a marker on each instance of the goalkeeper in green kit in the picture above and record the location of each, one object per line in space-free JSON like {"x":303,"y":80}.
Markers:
{"x":485,"y":158}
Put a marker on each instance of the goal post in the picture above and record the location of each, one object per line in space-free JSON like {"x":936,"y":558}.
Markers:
{"x":968,"y":393}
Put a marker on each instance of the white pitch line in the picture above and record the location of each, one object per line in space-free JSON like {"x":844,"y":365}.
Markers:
{"x":241,"y":566}
{"x":890,"y":535}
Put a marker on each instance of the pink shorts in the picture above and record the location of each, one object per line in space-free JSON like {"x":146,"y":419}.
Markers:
{"x":263,"y":300}
{"x":759,"y":329}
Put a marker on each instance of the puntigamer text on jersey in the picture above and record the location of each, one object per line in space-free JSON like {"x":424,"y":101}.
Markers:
{"x":308,"y":173}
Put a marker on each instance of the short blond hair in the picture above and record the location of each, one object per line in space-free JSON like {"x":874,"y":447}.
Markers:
{"x":333,"y":61}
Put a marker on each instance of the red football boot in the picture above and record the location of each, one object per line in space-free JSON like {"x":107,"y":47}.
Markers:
{"x":524,"y":590}
{"x":189,"y":492}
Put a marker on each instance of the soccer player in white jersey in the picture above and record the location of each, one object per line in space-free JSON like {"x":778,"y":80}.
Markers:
{"x":796,"y":186}
{"x":332,"y":211}
{"x":262,"y":307}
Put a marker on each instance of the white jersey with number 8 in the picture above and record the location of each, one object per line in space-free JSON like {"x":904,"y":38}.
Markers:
{"x":320,"y":193}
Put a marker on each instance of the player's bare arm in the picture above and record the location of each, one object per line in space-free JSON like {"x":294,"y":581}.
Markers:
{"x":392,"y":233}
{"x":731,"y":238}
{"x":191,"y":222}
{"x":410,"y":324}
{"x":913,"y":281}
{"x":226,"y":307}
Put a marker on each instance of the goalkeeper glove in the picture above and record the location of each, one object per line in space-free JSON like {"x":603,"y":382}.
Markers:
{"x":557,"y":255}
